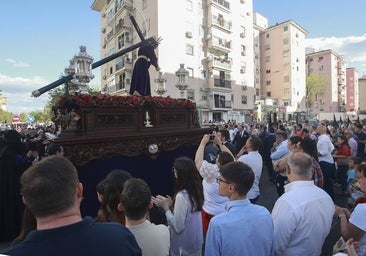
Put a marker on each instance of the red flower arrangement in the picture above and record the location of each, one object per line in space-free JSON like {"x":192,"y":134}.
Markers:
{"x":74,"y":102}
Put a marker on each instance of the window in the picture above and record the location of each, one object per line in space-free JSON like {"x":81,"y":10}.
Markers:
{"x":189,"y":5}
{"x":320,"y":58}
{"x":268,"y":71}
{"x":244,"y":99}
{"x":268,"y":58}
{"x":286,"y":91}
{"x":321,"y":68}
{"x":285,"y":28}
{"x":267,"y":35}
{"x":189,"y":49}
{"x":285,"y":41}
{"x":268,"y":82}
{"x":286,"y":79}
{"x":268,"y":94}
{"x":190,"y":72}
{"x":144,"y":4}
{"x":204,"y":97}
{"x":267,"y":47}
{"x":190,"y":94}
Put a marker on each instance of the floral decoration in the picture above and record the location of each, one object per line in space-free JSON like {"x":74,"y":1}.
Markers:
{"x":67,"y":109}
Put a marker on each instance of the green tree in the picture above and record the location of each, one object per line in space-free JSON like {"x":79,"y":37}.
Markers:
{"x":315,"y":86}
{"x":5,"y":116}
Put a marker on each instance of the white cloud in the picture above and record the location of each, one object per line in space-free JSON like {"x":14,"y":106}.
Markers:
{"x":18,"y":91}
{"x":353,"y":48}
{"x":16,"y":63}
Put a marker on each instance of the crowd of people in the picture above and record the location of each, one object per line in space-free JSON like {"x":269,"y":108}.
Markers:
{"x":213,"y":209}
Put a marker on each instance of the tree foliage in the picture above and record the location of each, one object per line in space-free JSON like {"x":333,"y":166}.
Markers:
{"x":315,"y":85}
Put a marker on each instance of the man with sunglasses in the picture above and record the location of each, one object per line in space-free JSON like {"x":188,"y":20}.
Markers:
{"x":244,"y":228}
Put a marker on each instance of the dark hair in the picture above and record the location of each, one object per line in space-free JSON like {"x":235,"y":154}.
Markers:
{"x":356,"y":160}
{"x":53,"y":148}
{"x":135,"y":198}
{"x":281,"y":133}
{"x":224,"y":158}
{"x":295,"y":139}
{"x":255,"y":142}
{"x":113,"y":186}
{"x":100,"y":187}
{"x":309,"y":147}
{"x":48,"y":186}
{"x":225,"y":133}
{"x":240,"y":174}
{"x":189,"y":179}
{"x":345,"y":141}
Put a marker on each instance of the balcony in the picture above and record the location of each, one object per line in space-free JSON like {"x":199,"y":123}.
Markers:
{"x":221,"y":23}
{"x":220,"y":3}
{"x":219,"y":63}
{"x":125,"y":64}
{"x":222,"y":83}
{"x":109,"y":36}
{"x":221,"y":104}
{"x":219,"y":45}
{"x":122,"y":24}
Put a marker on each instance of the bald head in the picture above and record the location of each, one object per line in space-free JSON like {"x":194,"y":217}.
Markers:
{"x":301,"y":165}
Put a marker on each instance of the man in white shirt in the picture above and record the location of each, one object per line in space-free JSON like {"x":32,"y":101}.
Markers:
{"x":135,"y":202}
{"x":325,"y":149}
{"x":254,"y":160}
{"x":302,"y":216}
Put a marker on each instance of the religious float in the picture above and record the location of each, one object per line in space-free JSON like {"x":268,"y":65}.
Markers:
{"x":139,"y":134}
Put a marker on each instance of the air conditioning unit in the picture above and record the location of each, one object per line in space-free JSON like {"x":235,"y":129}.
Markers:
{"x":244,"y":87}
{"x":242,"y":34}
{"x":189,"y":34}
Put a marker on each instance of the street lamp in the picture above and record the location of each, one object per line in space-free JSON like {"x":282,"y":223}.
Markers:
{"x":160,"y":85}
{"x":182,"y":75}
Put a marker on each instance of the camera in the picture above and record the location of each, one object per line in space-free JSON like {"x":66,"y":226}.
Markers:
{"x":212,"y":136}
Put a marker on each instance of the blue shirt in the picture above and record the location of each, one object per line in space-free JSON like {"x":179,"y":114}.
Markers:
{"x":244,"y":229}
{"x":82,"y":238}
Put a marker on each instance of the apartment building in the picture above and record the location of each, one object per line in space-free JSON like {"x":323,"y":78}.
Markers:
{"x":352,"y":95}
{"x":332,"y":67}
{"x":362,"y":91}
{"x":212,"y":38}
{"x":283,"y":84}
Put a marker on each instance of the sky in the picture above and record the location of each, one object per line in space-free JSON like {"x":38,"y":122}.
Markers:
{"x":38,"y":38}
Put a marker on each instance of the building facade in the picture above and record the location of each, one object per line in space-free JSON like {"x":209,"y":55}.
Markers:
{"x":213,"y":38}
{"x":352,"y":93}
{"x":332,"y":67}
{"x":362,"y":91}
{"x":283,"y":70}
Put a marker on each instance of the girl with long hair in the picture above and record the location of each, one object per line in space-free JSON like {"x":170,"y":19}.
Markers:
{"x":185,"y":221}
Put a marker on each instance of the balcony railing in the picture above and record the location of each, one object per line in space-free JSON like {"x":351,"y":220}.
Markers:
{"x":222,"y":83}
{"x":223,"y":104}
{"x":223,"y":3}
{"x":221,"y":22}
{"x":222,"y":63}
